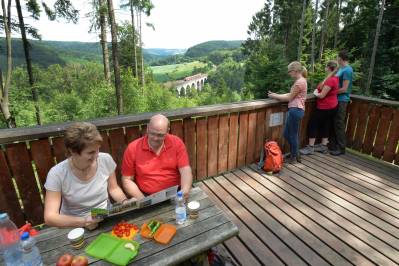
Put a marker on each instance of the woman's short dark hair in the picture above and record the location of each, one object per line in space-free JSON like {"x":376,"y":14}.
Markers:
{"x":80,"y":135}
{"x":343,"y":54}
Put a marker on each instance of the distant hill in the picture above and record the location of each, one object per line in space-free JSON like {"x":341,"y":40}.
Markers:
{"x":41,"y":54}
{"x":204,"y":49}
{"x":45,"y":53}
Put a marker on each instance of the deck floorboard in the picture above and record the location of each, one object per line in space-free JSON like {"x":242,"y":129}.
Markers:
{"x":325,"y":210}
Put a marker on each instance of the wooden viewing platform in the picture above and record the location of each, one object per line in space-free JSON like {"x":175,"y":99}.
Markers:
{"x":327,"y":210}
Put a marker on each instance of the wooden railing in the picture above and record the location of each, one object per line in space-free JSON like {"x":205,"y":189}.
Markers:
{"x":218,"y":138}
{"x":373,"y":128}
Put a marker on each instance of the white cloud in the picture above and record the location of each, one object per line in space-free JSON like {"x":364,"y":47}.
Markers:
{"x":178,"y":23}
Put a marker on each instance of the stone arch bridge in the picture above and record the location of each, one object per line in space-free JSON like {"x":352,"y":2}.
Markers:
{"x":196,"y":81}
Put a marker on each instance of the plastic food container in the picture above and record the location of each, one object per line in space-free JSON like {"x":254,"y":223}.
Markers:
{"x":162,"y":235}
{"x":112,"y":249}
{"x":76,"y":238}
{"x":193,"y":207}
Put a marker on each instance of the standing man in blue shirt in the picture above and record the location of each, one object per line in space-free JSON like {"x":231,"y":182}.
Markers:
{"x":345,"y":75}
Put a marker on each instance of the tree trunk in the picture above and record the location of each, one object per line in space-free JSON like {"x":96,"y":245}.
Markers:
{"x":301,"y":32}
{"x":103,"y":41}
{"x":142,"y":57}
{"x":134,"y":40}
{"x":5,"y":86}
{"x":28,"y":62}
{"x":323,"y":30}
{"x":377,"y":33}
{"x":286,"y":33}
{"x":314,"y":36}
{"x":115,"y":57}
{"x":337,"y":26}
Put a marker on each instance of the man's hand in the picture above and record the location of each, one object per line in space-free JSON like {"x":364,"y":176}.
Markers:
{"x":128,"y":201}
{"x":186,"y":193}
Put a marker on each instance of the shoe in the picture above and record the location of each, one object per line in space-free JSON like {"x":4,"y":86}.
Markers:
{"x":321,"y":148}
{"x":293,"y":160}
{"x":298,"y":158}
{"x":337,"y":152}
{"x":307,"y":150}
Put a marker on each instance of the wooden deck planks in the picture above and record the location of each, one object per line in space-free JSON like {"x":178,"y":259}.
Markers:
{"x":327,"y":205}
{"x":264,"y":227}
{"x":306,"y":229}
{"x":386,"y":193}
{"x":325,"y":210}
{"x":368,"y":164}
{"x":363,"y":193}
{"x":259,"y":251}
{"x":283,"y":225}
{"x":348,"y":236}
{"x":363,"y":170}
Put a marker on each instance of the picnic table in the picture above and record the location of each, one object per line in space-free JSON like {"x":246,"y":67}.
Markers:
{"x":192,"y":238}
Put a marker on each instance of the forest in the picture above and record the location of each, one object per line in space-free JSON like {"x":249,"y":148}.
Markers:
{"x":121,"y":81}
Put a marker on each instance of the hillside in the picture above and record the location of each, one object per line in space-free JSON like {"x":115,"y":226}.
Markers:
{"x":203,"y":49}
{"x":41,"y":54}
{"x":45,"y":53}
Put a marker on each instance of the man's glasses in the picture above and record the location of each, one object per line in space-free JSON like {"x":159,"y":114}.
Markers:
{"x":158,"y":135}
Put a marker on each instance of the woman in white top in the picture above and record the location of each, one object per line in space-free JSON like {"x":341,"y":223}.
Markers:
{"x":82,"y":181}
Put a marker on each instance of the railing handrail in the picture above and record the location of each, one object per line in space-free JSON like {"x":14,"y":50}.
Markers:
{"x":375,"y":100}
{"x":36,"y":132}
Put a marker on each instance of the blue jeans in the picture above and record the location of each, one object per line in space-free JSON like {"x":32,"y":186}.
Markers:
{"x":291,"y":129}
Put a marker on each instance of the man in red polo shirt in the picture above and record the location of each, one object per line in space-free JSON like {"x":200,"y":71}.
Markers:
{"x":156,"y":161}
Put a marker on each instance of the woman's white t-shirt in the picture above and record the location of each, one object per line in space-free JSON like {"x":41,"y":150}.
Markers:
{"x":79,"y":197}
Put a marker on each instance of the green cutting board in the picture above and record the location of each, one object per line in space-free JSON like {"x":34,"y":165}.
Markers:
{"x":112,"y":249}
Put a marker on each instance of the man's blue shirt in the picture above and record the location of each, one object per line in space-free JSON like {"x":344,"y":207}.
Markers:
{"x":345,"y":73}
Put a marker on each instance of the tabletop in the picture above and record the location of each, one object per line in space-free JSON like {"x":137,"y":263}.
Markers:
{"x":192,"y":238}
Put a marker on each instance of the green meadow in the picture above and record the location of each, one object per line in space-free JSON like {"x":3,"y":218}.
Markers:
{"x":175,"y":72}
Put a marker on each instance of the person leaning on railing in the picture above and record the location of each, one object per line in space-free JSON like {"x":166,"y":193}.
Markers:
{"x":345,"y":75}
{"x":82,"y":181}
{"x":296,"y":106}
{"x":321,"y":120}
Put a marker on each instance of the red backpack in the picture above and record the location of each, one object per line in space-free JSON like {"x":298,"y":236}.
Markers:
{"x":273,"y":157}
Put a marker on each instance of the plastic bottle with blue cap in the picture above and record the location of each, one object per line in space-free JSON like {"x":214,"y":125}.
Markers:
{"x":10,"y":248}
{"x":30,"y":252}
{"x":181,"y":215}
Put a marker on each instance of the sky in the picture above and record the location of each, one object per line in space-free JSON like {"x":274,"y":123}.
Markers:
{"x":178,"y":24}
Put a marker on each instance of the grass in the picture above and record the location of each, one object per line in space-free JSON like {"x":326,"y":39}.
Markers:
{"x":175,"y":72}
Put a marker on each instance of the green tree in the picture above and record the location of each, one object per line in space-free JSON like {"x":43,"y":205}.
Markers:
{"x":5,"y":84}
{"x":115,"y":57}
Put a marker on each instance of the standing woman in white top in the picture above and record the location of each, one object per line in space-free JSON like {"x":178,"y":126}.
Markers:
{"x":296,"y":107}
{"x":82,"y":181}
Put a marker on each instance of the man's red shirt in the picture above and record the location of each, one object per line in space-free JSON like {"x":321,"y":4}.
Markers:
{"x":151,"y":172}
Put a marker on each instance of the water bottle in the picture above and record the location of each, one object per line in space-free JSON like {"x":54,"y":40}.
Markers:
{"x":10,"y":247}
{"x":30,"y":252}
{"x":180,"y":209}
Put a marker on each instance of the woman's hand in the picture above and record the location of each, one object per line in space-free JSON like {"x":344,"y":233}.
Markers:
{"x":271,"y":94}
{"x":91,"y":223}
{"x":316,"y":93}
